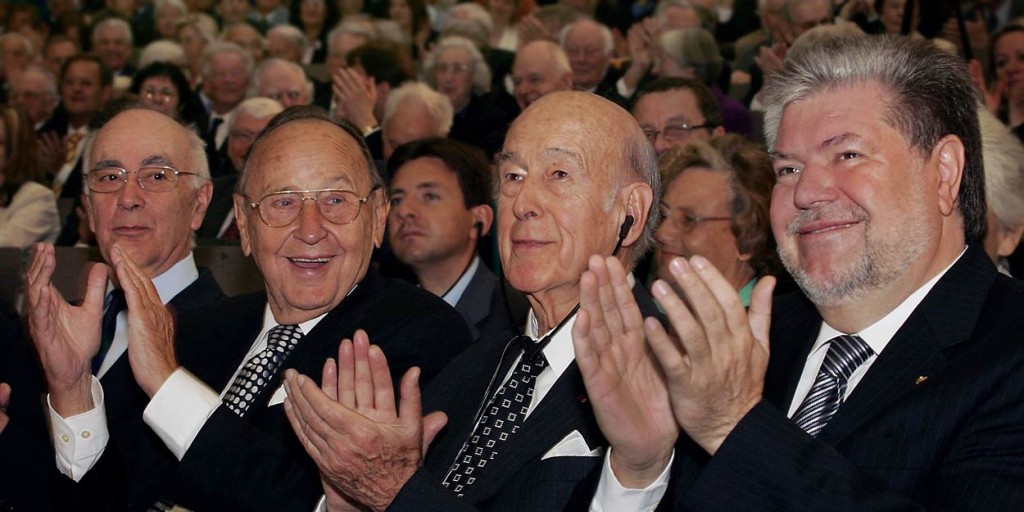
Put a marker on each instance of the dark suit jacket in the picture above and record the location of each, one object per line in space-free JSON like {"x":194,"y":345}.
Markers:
{"x":937,"y":422}
{"x":28,"y":453}
{"x":520,"y":480}
{"x":256,"y":462}
{"x":489,"y":308}
{"x":221,"y":203}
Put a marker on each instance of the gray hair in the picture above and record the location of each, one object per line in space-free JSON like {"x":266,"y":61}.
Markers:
{"x":275,"y":62}
{"x":25,"y":42}
{"x":481,"y":72}
{"x":51,"y":81}
{"x":161,"y":51}
{"x":642,"y":160}
{"x":817,"y":35}
{"x":477,"y":26}
{"x":930,"y":95}
{"x":1003,"y":154}
{"x":177,"y":4}
{"x":218,"y":47}
{"x":352,"y":27}
{"x":694,"y":48}
{"x":606,"y":34}
{"x":292,"y":34}
{"x":117,"y":23}
{"x":256,"y":107}
{"x":439,"y":106}
{"x":787,"y":8}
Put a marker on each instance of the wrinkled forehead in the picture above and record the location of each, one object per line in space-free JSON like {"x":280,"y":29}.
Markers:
{"x":307,"y":154}
{"x":138,"y":138}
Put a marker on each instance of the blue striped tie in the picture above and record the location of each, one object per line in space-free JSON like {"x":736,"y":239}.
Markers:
{"x":845,"y":354}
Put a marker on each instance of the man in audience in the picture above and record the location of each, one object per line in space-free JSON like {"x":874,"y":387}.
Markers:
{"x":141,"y":202}
{"x":35,"y":92}
{"x":287,"y":42}
{"x":222,"y":441}
{"x":112,"y":43}
{"x":882,"y":391}
{"x":440,"y":193}
{"x":341,"y":40}
{"x":247,"y":38}
{"x":590,"y":46}
{"x":16,"y":54}
{"x":251,"y":118}
{"x":226,"y":73}
{"x":414,"y":111}
{"x":541,"y":67}
{"x":57,"y":51}
{"x":675,"y":111}
{"x":576,"y":179}
{"x":282,"y":81}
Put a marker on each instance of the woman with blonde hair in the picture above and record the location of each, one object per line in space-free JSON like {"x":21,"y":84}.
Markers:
{"x":28,"y":209}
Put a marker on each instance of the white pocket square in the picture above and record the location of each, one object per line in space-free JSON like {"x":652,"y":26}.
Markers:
{"x":573,"y":445}
{"x":278,"y":397}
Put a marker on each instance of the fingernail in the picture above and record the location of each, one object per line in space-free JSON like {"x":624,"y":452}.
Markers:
{"x":660,"y":288}
{"x":699,"y":262}
{"x":679,"y":266}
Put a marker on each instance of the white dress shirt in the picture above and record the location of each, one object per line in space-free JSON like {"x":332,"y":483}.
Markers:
{"x":79,"y":440}
{"x":877,"y":336}
{"x":454,"y":294}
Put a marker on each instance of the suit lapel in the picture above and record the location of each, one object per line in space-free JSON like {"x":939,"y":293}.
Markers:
{"x":795,"y":326}
{"x":945,"y":317}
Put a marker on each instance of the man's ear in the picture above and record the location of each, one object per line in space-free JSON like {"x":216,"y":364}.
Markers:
{"x":242,"y":219}
{"x":639,"y":198}
{"x":950,"y":161}
{"x":483,"y":217}
{"x":87,"y":204}
{"x":381,"y":206}
{"x":203,"y":196}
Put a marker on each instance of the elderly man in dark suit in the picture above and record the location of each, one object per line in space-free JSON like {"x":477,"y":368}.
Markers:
{"x":576,"y":178}
{"x":895,"y":380}
{"x":213,"y":434}
{"x":440,"y":212}
{"x":147,"y":190}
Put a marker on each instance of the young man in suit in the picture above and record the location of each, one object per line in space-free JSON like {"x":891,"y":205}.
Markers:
{"x":440,"y":194}
{"x":895,"y":379}
{"x":213,"y":434}
{"x":149,"y":216}
{"x":576,"y":178}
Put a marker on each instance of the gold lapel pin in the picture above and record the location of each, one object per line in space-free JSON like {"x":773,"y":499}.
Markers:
{"x":920,"y":379}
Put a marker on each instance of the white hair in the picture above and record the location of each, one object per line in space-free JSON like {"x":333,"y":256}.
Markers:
{"x":1003,"y":154}
{"x":258,"y":108}
{"x":606,"y":34}
{"x":439,"y":106}
{"x":292,"y":34}
{"x":117,"y":23}
{"x":275,"y":62}
{"x":218,"y":47}
{"x":162,"y":51}
{"x":481,"y":72}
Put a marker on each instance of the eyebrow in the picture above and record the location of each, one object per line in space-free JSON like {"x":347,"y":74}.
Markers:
{"x":156,"y":160}
{"x":826,"y":144}
{"x":334,"y":182}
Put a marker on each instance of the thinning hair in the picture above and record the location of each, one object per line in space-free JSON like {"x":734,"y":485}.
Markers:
{"x":606,"y":34}
{"x":112,"y":22}
{"x":437,"y":104}
{"x":218,"y":47}
{"x":930,"y":95}
{"x":694,"y":48}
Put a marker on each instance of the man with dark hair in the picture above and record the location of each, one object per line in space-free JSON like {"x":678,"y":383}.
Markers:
{"x":212,"y":435}
{"x":895,"y":380}
{"x":440,"y":194}
{"x":674,"y":111}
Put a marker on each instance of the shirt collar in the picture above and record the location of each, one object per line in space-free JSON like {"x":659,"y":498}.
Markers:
{"x":173,"y":280}
{"x":455,"y":293}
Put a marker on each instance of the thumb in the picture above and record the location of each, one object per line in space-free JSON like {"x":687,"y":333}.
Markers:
{"x":96,"y":287}
{"x":432,"y":425}
{"x":760,"y":314}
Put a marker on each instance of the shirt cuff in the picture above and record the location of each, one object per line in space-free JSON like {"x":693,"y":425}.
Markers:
{"x":179,"y":409}
{"x":79,"y":440}
{"x":623,"y":89}
{"x":611,"y":495}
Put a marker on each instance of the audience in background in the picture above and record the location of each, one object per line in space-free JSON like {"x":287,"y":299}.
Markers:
{"x":28,"y":210}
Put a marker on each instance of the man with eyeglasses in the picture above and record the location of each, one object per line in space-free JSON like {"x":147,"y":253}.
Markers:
{"x":310,"y":209}
{"x":147,"y":189}
{"x":674,"y":111}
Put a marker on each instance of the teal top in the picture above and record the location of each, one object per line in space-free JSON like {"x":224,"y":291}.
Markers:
{"x":747,"y":291}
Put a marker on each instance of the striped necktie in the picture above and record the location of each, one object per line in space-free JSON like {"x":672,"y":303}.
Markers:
{"x":845,"y":354}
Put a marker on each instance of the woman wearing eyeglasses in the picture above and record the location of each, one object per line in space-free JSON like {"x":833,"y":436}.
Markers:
{"x":164,"y":86}
{"x":714,"y":202}
{"x":28,"y":210}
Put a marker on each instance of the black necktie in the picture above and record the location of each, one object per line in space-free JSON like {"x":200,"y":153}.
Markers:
{"x":261,"y":369}
{"x":112,"y":305}
{"x":211,"y":136}
{"x":502,"y":418}
{"x":845,"y":354}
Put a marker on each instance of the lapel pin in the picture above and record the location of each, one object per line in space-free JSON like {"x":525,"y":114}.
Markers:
{"x":920,"y":379}
{"x":581,"y":399}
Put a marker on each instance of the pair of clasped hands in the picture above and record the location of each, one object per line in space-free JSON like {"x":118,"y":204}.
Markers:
{"x":645,"y":383}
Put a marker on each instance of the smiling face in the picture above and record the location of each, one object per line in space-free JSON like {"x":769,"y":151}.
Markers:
{"x":561,"y":195}
{"x":1009,"y":60}
{"x":154,"y":228}
{"x":585,"y":46}
{"x":311,"y":264}
{"x":856,"y":209}
{"x":112,"y":46}
{"x":454,"y":73}
{"x":699,"y":192}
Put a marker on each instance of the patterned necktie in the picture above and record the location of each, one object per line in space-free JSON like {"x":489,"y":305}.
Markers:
{"x":262,"y":368}
{"x":112,"y":305}
{"x":502,"y":418}
{"x":845,"y":354}
{"x":72,"y":147}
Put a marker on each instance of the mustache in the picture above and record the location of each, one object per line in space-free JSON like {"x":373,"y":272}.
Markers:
{"x":846,"y":213}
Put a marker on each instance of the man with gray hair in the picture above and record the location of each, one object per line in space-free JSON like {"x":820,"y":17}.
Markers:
{"x":112,"y":43}
{"x":541,"y":67}
{"x":227,"y":69}
{"x":894,"y":380}
{"x":589,"y":45}
{"x":282,"y":81}
{"x":16,"y":53}
{"x":414,"y":111}
{"x":287,"y":42}
{"x":35,"y":92}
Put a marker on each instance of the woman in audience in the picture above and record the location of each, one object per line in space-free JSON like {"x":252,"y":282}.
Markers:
{"x":411,"y":16}
{"x":1008,"y":60}
{"x":28,"y":210}
{"x":164,"y":86}
{"x":167,"y":14}
{"x":714,"y":203}
{"x":193,"y":35}
{"x":315,"y":18}
{"x":1004,"y":190}
{"x":504,"y":16}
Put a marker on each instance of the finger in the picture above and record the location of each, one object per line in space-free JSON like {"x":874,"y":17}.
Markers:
{"x":593,"y":329}
{"x":629,"y":310}
{"x":432,"y":425}
{"x":363,"y":376}
{"x":5,"y":395}
{"x":329,"y":379}
{"x":383,"y":388}
{"x":146,"y":294}
{"x":313,"y":408}
{"x":43,"y":264}
{"x":583,"y":345}
{"x":667,"y":351}
{"x":760,"y":314}
{"x":96,"y":287}
{"x":606,"y":295}
{"x":346,"y":375}
{"x":687,"y":327}
{"x":725,"y":296}
{"x":410,"y":410}
{"x":296,"y":417}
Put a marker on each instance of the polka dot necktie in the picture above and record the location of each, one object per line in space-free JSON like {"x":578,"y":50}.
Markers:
{"x":262,"y":368}
{"x":502,"y":418}
{"x":845,"y":354}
